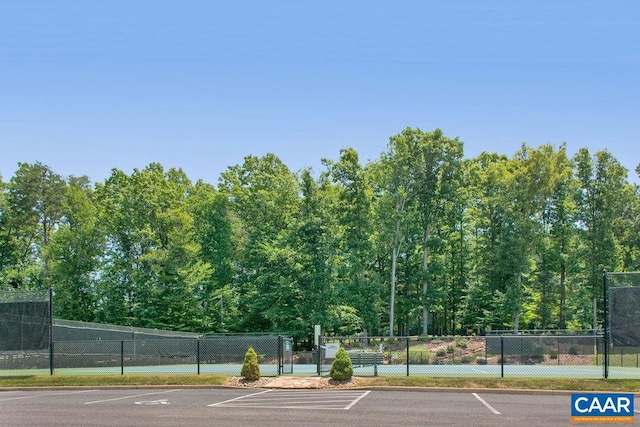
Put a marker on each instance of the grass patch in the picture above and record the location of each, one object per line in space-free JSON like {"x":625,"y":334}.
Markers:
{"x":612,"y":385}
{"x":109,"y":380}
{"x":567,"y":384}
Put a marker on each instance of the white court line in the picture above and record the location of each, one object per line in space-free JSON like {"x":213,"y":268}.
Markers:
{"x":130,"y":397}
{"x":238,"y":398}
{"x":46,"y":395}
{"x":491,"y":408}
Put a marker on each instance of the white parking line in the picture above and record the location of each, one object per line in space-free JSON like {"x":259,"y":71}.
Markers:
{"x":357,"y":400}
{"x":130,"y":397}
{"x":280,"y":399}
{"x":491,"y":408}
{"x":45,"y":395}
{"x":238,"y":398}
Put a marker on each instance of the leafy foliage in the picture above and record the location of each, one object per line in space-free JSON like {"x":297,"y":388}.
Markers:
{"x":417,"y":241}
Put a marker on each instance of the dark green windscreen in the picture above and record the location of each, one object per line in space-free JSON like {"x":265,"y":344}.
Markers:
{"x":625,"y":316}
{"x":24,"y":321}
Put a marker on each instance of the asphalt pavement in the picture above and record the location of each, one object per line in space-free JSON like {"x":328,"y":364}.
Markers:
{"x":180,"y":406}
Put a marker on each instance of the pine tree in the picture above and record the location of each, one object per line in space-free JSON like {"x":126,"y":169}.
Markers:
{"x":250,"y":367}
{"x":341,"y":368}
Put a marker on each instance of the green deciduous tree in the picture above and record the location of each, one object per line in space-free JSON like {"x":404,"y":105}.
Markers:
{"x":264,"y":198}
{"x":600,"y":200}
{"x":75,"y":252}
{"x":34,"y":201}
{"x":359,"y":287}
{"x":214,"y":231}
{"x":152,"y":274}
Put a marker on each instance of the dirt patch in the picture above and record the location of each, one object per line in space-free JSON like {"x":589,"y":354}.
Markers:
{"x":293,"y":382}
{"x":243,"y":382}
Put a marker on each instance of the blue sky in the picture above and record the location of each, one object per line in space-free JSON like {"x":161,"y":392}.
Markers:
{"x":90,"y":86}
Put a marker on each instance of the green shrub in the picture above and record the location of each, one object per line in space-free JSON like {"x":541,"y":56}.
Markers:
{"x":250,"y":367}
{"x":341,"y":368}
{"x":461,"y":342}
{"x":441,"y":352}
{"x":420,"y":357}
{"x":534,"y":359}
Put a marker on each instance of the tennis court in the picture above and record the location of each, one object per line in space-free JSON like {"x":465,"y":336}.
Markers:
{"x":480,"y":371}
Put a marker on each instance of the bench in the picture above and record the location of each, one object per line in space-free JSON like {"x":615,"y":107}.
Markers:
{"x":365,"y":358}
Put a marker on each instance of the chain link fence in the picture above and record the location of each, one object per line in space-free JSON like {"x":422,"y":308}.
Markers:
{"x":223,"y":355}
{"x":486,"y":356}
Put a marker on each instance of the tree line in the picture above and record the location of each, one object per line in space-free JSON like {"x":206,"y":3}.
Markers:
{"x":419,"y":241}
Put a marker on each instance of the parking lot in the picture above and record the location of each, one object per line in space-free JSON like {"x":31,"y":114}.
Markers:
{"x":277,"y":407}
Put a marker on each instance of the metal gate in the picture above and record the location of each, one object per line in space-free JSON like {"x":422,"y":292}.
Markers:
{"x":285,"y":363}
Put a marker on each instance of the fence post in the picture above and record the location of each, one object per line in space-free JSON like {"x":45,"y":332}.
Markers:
{"x":408,"y":360}
{"x":122,"y":357}
{"x":50,"y":330}
{"x":51,"y":356}
{"x":280,"y":355}
{"x":318,"y":347}
{"x":501,"y":356}
{"x":605,"y":322}
{"x":198,"y":354}
{"x":486,"y":350}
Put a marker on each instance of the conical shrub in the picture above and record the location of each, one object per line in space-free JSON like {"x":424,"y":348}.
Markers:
{"x":341,"y":368}
{"x":250,"y":367}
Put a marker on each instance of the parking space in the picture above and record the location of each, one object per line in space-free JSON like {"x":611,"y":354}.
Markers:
{"x":296,"y":399}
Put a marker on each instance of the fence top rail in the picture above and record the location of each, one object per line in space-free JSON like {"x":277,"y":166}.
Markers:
{"x":106,"y":327}
{"x":622,"y":273}
{"x":511,"y":336}
{"x":565,"y":332}
{"x":508,"y":334}
{"x":164,"y":340}
{"x":404,"y":337}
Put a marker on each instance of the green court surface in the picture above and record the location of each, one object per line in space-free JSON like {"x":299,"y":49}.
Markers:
{"x":468,"y":371}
